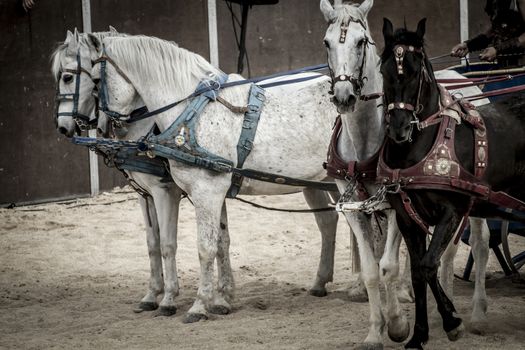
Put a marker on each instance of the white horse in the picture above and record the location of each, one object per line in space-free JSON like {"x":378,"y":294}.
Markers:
{"x":346,"y":57}
{"x":327,"y":221}
{"x":160,"y":207}
{"x":354,"y":63}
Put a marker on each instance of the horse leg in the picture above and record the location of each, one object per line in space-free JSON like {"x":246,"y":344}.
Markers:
{"x":415,"y":240}
{"x":155,"y":287}
{"x":362,"y":229}
{"x":446,"y":273}
{"x":479,"y":242}
{"x":405,"y":292}
{"x":356,"y":290}
{"x":208,"y":203}
{"x":397,"y":324}
{"x":442,"y":235}
{"x":167,"y":199}
{"x":225,"y":284}
{"x":327,"y":224}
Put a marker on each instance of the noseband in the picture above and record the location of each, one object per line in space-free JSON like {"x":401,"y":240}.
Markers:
{"x":83,"y":121}
{"x":399,"y":55}
{"x":359,"y":81}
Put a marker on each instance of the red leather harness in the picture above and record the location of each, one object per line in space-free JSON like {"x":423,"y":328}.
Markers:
{"x":439,"y":169}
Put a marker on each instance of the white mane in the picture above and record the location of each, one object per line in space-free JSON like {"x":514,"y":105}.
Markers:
{"x":160,"y":61}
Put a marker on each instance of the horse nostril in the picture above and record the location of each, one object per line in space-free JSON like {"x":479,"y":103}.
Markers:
{"x":62,"y":130}
{"x":100,"y":131}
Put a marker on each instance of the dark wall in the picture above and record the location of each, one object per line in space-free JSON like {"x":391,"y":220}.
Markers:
{"x":36,"y":163}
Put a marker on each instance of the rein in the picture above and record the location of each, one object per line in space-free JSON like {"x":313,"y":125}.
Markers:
{"x":213,"y":88}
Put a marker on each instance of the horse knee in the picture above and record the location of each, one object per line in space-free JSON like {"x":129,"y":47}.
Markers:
{"x":388,"y":270}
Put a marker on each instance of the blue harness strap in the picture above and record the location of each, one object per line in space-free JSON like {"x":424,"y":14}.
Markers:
{"x":124,"y":155}
{"x":178,"y":141}
{"x":256,"y":100}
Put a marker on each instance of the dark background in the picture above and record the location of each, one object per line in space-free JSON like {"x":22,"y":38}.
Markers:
{"x":36,"y":163}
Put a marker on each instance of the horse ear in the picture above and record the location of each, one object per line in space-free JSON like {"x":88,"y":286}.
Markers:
{"x":112,"y":30}
{"x":388,"y":29}
{"x":366,"y":6}
{"x":94,"y":41}
{"x":421,"y":28}
{"x":69,"y":37}
{"x":327,"y":10}
{"x":77,"y":35}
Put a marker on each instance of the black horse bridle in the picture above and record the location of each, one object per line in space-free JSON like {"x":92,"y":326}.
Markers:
{"x":83,"y":121}
{"x":359,"y":81}
{"x":415,"y":110}
{"x":103,"y":95}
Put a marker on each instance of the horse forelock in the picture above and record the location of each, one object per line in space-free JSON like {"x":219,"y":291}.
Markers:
{"x":158,"y":61}
{"x":349,"y":10}
{"x":402,"y":36}
{"x":56,"y":58}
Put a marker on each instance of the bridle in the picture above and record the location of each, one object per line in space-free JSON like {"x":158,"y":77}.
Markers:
{"x":359,"y":81}
{"x":83,"y":121}
{"x":415,"y":110}
{"x":103,"y":95}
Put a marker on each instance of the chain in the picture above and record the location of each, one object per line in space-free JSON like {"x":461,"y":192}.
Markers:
{"x":369,"y":205}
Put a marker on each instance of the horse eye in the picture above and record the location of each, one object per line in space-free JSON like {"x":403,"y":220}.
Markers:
{"x":326,"y":44}
{"x":67,"y":78}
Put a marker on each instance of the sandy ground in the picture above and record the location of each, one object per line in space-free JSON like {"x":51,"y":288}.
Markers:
{"x":71,"y":274}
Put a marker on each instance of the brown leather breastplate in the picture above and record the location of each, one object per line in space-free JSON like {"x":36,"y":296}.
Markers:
{"x":339,"y":169}
{"x":440,"y":168}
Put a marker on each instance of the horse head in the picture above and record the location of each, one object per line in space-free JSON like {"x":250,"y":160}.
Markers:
{"x":347,"y":41}
{"x":71,"y":66}
{"x":409,"y":86}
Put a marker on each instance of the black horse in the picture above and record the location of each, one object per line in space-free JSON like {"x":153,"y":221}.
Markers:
{"x":412,"y":95}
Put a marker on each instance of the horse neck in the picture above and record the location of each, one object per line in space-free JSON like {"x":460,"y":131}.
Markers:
{"x":364,"y":129}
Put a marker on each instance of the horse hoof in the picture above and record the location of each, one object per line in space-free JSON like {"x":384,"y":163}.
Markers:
{"x":370,"y":346}
{"x":398,"y":329}
{"x":192,"y":318}
{"x":456,"y":333}
{"x":167,"y":311}
{"x":146,"y":306}
{"x":219,"y":310}
{"x":321,"y":292}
